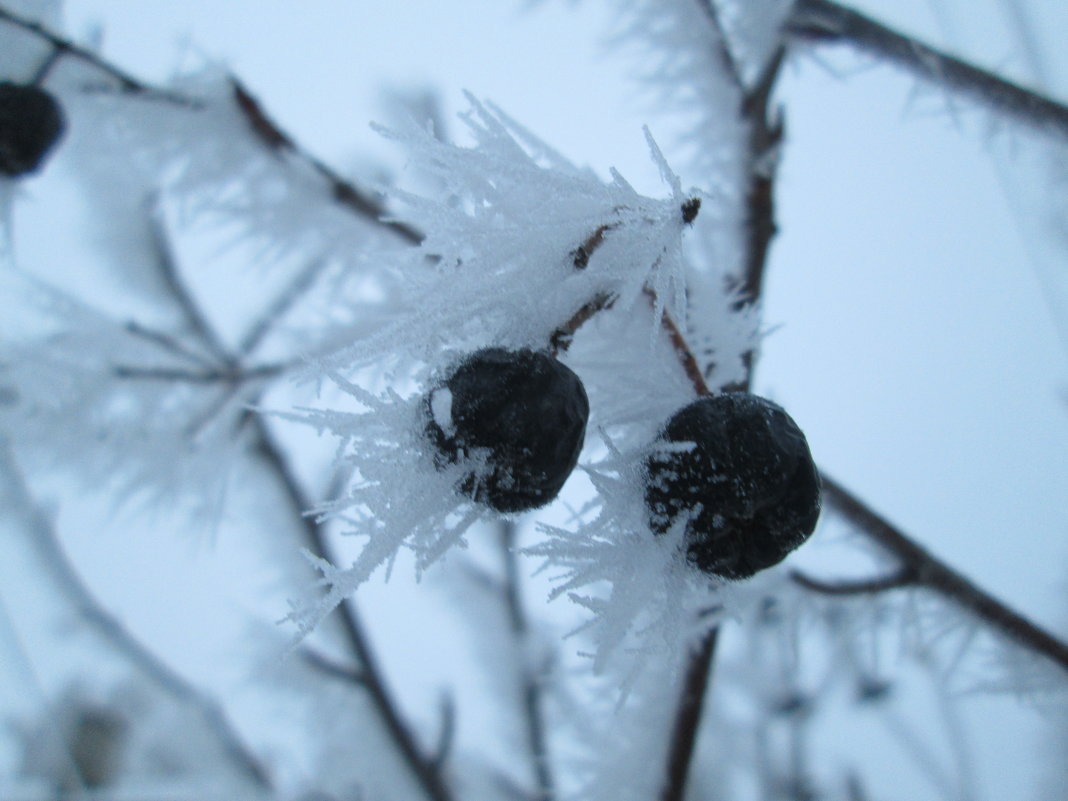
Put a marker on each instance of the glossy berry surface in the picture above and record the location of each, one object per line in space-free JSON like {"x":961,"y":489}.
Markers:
{"x":31,"y":122}
{"x":517,"y":418}
{"x":740,"y":469}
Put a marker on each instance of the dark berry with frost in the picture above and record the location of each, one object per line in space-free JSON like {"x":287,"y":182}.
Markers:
{"x":738,"y":467}
{"x":31,"y":122}
{"x":517,"y":418}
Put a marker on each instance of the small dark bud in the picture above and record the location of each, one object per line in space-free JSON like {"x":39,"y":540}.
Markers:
{"x":518,"y":417}
{"x":690,"y":209}
{"x":739,"y":467}
{"x":31,"y":122}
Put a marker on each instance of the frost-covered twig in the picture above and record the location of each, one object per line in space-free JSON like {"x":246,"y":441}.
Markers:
{"x":372,"y":679}
{"x":923,"y":569}
{"x":14,"y":498}
{"x":531,"y":679}
{"x":344,"y":192}
{"x":66,"y":47}
{"x":821,"y":21}
{"x":168,"y":269}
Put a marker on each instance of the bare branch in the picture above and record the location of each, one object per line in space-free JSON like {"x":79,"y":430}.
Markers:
{"x":933,"y":574}
{"x":896,"y":580}
{"x":329,"y":667}
{"x":821,"y":21}
{"x":447,"y":733}
{"x":688,"y":717}
{"x":237,"y":375}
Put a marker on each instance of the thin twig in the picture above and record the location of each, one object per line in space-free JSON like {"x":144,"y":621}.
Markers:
{"x":344,"y":192}
{"x":126,"y":81}
{"x":723,"y":50}
{"x":115,"y":634}
{"x":533,"y":702}
{"x":446,"y":734}
{"x":933,"y":574}
{"x":373,"y":681}
{"x":688,"y":717}
{"x":237,"y":375}
{"x":900,"y":578}
{"x":170,"y":273}
{"x":821,"y":21}
{"x":329,"y":667}
{"x":168,"y":343}
{"x":286,"y":300}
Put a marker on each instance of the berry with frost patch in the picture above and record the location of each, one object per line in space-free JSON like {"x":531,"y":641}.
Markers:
{"x":516,"y":418}
{"x":738,"y":467}
{"x":31,"y":122}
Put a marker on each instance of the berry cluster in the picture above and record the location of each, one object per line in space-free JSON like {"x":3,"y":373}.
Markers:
{"x":734,"y":466}
{"x":31,"y":122}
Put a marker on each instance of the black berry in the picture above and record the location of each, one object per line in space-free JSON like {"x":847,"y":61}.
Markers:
{"x":740,"y":468}
{"x":31,"y":122}
{"x":517,"y":417}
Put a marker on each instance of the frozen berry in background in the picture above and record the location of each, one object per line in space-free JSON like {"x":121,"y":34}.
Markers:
{"x":740,"y":469}
{"x":517,"y":417}
{"x":31,"y":122}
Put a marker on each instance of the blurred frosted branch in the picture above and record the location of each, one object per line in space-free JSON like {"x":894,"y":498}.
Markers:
{"x":532,"y":675}
{"x":344,"y":192}
{"x":66,"y":47}
{"x":821,"y":21}
{"x":15,"y":498}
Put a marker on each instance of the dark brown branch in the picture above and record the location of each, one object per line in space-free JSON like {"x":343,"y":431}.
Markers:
{"x":688,"y":718}
{"x":237,"y":375}
{"x":446,"y":734}
{"x":896,"y":580}
{"x":821,"y":21}
{"x":373,"y":681}
{"x":341,"y":190}
{"x":127,"y":83}
{"x":762,"y":143}
{"x":723,"y":48}
{"x":763,"y":140}
{"x":931,"y":573}
{"x":533,"y":707}
{"x":331,"y":668}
